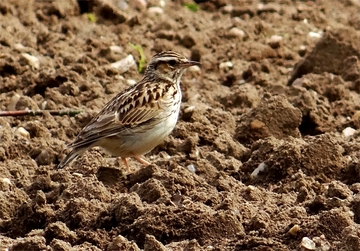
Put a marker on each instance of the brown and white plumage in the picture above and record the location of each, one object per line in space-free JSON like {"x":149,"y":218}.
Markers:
{"x":140,"y":117}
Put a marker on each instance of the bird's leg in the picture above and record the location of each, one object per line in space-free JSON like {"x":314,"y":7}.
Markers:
{"x":142,"y":161}
{"x":126,"y":165}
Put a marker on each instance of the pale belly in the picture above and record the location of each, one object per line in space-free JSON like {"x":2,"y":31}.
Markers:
{"x":135,"y":144}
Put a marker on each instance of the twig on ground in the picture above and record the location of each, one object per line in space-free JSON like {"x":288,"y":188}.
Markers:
{"x":39,"y":112}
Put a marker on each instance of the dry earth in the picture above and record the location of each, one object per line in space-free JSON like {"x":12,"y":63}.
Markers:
{"x":259,"y":159}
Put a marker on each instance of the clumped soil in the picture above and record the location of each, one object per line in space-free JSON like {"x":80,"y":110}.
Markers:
{"x":259,"y":159}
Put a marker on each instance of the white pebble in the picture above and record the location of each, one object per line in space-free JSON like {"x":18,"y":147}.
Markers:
{"x":302,"y":47}
{"x":236,"y":32}
{"x":156,"y":10}
{"x":124,"y":64}
{"x":122,"y":4}
{"x":259,"y":169}
{"x":78,"y":175}
{"x":6,"y":180}
{"x":348,"y":131}
{"x":116,"y":49}
{"x":227,"y":65}
{"x":189,"y":109}
{"x":191,"y":168}
{"x":228,"y":8}
{"x":19,"y":47}
{"x":22,"y":132}
{"x":260,"y":6}
{"x":308,"y":244}
{"x":32,"y":60}
{"x":315,"y":34}
{"x":275,"y":39}
{"x":162,"y":3}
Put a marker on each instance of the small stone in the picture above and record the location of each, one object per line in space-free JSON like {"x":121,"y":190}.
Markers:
{"x":32,"y":60}
{"x":257,"y":170}
{"x":307,"y":244}
{"x":156,"y":10}
{"x":294,"y":230}
{"x":257,"y":124}
{"x":275,"y":41}
{"x":191,"y":168}
{"x":313,"y":34}
{"x":226,"y":65}
{"x":189,"y":109}
{"x":348,"y":131}
{"x":236,"y":32}
{"x":124,"y":64}
{"x":22,"y":132}
{"x":116,"y":49}
{"x":162,"y":3}
{"x":19,"y":47}
{"x":227,"y":9}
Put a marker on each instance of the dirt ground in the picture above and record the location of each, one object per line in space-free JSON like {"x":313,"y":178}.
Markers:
{"x":265,"y":155}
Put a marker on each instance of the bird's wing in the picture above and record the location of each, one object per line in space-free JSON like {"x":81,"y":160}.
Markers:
{"x":123,"y":112}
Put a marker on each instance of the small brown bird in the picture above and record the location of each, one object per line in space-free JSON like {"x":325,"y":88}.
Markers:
{"x":140,"y":117}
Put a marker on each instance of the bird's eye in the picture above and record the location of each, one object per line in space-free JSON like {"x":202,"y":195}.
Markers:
{"x":172,"y":62}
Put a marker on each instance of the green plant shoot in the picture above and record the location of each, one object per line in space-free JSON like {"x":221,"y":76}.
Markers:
{"x":191,"y":6}
{"x":142,"y":61}
{"x":91,"y":17}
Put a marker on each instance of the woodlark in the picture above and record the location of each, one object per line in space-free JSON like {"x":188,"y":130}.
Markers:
{"x":140,"y":117}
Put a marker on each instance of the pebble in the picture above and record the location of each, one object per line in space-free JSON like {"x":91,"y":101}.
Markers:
{"x":348,"y":131}
{"x":313,"y":34}
{"x":228,"y":9}
{"x":236,"y":32}
{"x":156,"y":10}
{"x":6,"y":180}
{"x":162,"y":3}
{"x":226,"y":65}
{"x":124,"y":64}
{"x":189,"y":109}
{"x":275,"y":41}
{"x":294,"y":230}
{"x":307,"y":244}
{"x":22,"y":132}
{"x":122,"y":4}
{"x":19,"y":47}
{"x":32,"y":60}
{"x":191,"y":168}
{"x":116,"y":49}
{"x":257,"y":170}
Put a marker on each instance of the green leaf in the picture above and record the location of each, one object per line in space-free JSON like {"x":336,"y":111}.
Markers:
{"x":91,"y":17}
{"x":191,"y":6}
{"x":142,"y":61}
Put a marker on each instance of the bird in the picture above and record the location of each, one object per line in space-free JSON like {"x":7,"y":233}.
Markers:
{"x":138,"y":118}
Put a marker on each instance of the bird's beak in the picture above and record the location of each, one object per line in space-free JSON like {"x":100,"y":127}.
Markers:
{"x":190,"y":63}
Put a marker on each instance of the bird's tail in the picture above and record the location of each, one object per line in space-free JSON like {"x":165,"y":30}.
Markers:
{"x":70,"y":157}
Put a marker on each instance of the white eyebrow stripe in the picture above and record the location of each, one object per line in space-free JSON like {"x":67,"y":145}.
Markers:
{"x":165,"y":58}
